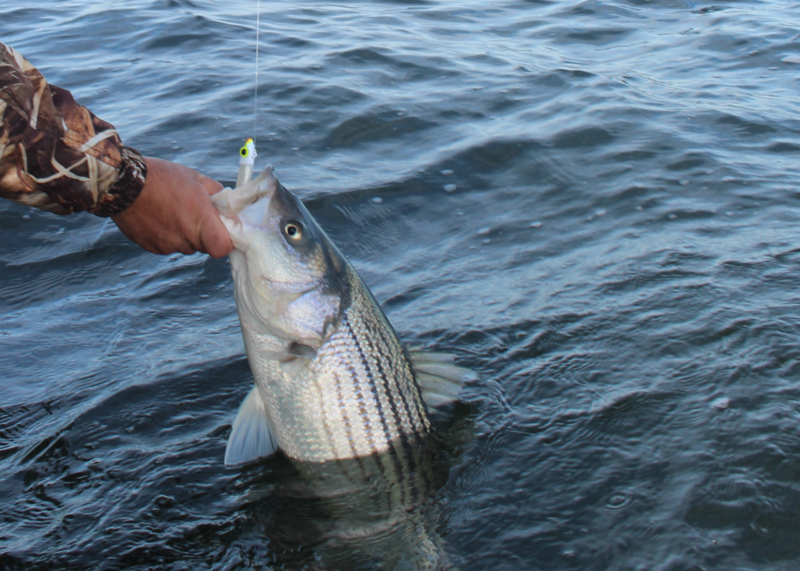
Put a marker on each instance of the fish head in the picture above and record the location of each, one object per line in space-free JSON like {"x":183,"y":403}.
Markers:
{"x":290,"y":280}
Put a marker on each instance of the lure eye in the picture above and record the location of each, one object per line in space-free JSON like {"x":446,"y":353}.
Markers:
{"x":244,"y":152}
{"x":293,"y":230}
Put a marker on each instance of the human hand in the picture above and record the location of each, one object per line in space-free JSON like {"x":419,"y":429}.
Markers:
{"x":173,"y":213}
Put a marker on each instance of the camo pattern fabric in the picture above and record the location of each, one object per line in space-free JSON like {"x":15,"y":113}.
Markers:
{"x":55,"y":154}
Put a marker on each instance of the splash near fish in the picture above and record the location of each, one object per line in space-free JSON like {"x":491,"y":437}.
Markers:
{"x":332,"y":380}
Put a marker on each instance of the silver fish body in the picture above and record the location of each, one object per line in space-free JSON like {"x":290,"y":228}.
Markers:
{"x":355,"y":397}
{"x":334,"y":388}
{"x":332,"y":381}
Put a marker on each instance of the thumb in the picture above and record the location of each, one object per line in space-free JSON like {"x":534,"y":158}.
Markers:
{"x":211,"y":185}
{"x":214,"y":237}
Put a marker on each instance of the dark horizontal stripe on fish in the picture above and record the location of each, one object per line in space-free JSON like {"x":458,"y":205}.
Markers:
{"x":360,"y":398}
{"x":381,"y":413}
{"x":382,"y":351}
{"x":325,"y":423}
{"x":408,"y":438}
{"x":343,"y":411}
{"x":397,"y":362}
{"x":413,"y":449}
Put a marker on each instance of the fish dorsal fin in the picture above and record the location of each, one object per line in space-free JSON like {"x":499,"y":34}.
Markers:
{"x":250,"y":437}
{"x":440,"y":380}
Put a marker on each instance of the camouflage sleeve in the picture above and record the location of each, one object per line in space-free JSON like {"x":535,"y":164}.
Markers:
{"x":55,"y":154}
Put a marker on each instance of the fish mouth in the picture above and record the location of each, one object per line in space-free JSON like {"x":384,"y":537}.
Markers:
{"x":230,"y":202}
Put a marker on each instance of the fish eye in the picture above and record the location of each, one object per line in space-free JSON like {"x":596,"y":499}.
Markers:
{"x":293,"y":230}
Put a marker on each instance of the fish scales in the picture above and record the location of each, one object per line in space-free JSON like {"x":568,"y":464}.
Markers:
{"x":384,"y":385}
{"x":370,"y":374}
{"x":389,"y":358}
{"x":332,"y":381}
{"x":334,"y":387}
{"x":393,"y":427}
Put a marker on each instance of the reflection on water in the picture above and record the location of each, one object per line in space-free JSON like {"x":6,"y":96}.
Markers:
{"x":380,"y":511}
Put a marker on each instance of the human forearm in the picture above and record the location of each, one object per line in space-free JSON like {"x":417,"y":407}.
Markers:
{"x":55,"y":154}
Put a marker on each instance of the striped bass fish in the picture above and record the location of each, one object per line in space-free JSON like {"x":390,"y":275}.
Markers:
{"x":332,"y":381}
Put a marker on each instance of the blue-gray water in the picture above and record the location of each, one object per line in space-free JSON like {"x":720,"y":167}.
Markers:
{"x":594,"y":203}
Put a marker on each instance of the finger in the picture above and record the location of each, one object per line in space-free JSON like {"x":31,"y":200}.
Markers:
{"x":210,"y":234}
{"x":214,"y":237}
{"x":217,"y":244}
{"x":186,"y":248}
{"x":211,"y":185}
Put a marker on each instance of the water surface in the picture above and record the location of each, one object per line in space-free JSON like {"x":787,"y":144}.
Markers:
{"x":594,"y":203}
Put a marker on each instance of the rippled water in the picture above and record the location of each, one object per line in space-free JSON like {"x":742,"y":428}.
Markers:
{"x":595,"y":204}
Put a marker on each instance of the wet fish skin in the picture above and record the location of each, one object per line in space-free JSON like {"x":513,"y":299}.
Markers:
{"x":332,"y":381}
{"x":334,"y":388}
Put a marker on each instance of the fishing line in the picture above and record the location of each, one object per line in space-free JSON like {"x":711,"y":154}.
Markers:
{"x":255,"y":98}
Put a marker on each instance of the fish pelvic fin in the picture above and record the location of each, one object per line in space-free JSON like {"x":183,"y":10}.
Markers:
{"x":251,"y":437}
{"x":440,"y":380}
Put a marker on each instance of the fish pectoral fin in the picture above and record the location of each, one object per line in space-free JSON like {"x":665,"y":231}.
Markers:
{"x":440,"y":380}
{"x":302,"y":350}
{"x":293,"y":366}
{"x":251,"y":437}
{"x":298,"y":357}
